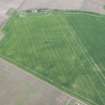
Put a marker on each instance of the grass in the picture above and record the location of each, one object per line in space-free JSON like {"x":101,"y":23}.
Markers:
{"x":65,"y":49}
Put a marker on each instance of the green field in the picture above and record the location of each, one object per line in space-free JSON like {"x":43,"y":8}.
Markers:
{"x":67,"y":49}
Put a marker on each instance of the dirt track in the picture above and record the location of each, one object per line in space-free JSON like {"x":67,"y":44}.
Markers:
{"x":88,"y":5}
{"x":5,"y":5}
{"x":94,"y":5}
{"x":52,"y":4}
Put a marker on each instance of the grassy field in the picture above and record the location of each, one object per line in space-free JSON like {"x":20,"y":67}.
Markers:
{"x":66,"y":49}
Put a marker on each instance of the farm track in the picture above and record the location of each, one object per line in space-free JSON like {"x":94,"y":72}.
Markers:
{"x":5,"y":5}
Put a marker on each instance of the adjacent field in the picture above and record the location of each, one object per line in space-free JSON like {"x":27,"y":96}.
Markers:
{"x":66,"y":49}
{"x":18,"y":87}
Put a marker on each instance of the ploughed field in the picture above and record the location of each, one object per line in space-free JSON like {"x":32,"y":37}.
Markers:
{"x":67,"y":49}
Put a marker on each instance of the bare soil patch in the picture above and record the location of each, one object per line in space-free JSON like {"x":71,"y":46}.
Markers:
{"x":5,"y":5}
{"x":84,"y":5}
{"x":20,"y":88}
{"x":17,"y":87}
{"x":52,"y":4}
{"x":94,"y":6}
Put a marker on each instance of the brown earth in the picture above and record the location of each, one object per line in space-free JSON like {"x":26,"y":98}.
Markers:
{"x":84,"y":5}
{"x":52,"y":4}
{"x":94,"y":6}
{"x":87,"y":5}
{"x":17,"y":87}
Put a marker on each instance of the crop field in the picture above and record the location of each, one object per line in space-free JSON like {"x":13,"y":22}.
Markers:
{"x":67,"y":49}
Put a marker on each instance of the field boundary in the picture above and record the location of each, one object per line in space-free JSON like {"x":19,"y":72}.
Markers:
{"x":48,"y":80}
